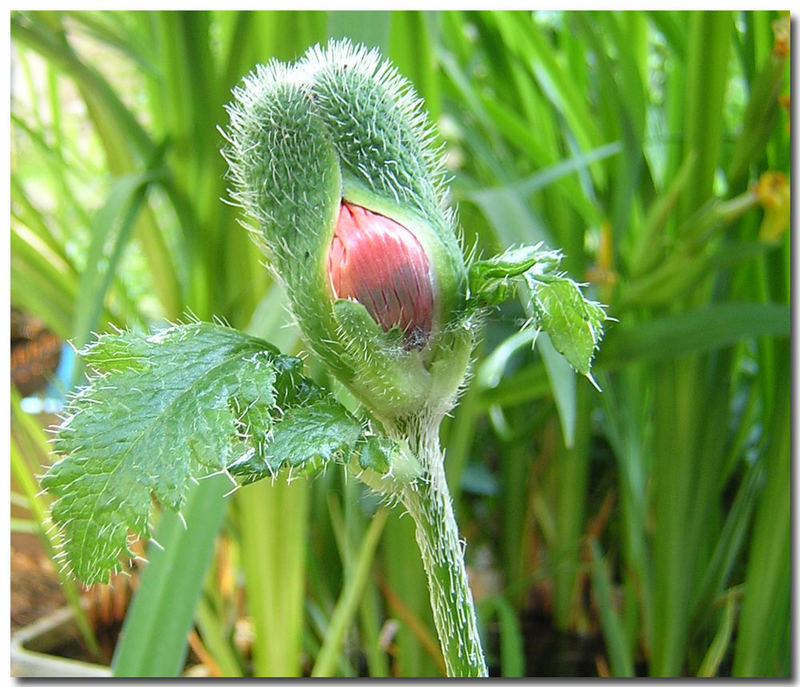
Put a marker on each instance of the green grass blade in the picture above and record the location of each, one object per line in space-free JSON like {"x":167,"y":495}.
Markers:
{"x":626,"y":405}
{"x":512,"y":645}
{"x":34,"y":30}
{"x":126,"y":143}
{"x":154,"y":637}
{"x":405,"y":578}
{"x":672,"y":28}
{"x":511,"y":218}
{"x":700,"y":330}
{"x":707,"y":72}
{"x":60,"y":160}
{"x":412,"y":49}
{"x":347,"y":604}
{"x":564,"y":386}
{"x":517,"y":541}
{"x":116,"y":31}
{"x":512,"y":653}
{"x":673,"y":475}
{"x":24,"y":526}
{"x":649,"y":246}
{"x":211,"y":629}
{"x":550,"y":175}
{"x":729,"y":543}
{"x":41,"y":283}
{"x":554,"y":81}
{"x":458,"y":435}
{"x":361,"y":26}
{"x":719,"y":645}
{"x":759,"y":121}
{"x":111,"y":230}
{"x":764,"y":623}
{"x":617,"y":646}
{"x":571,"y":469}
{"x":273,"y":524}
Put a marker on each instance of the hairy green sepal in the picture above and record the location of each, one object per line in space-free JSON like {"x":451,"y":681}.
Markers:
{"x":164,"y":410}
{"x":554,"y":303}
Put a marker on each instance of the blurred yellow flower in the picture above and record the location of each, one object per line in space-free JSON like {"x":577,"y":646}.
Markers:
{"x":772,"y":191}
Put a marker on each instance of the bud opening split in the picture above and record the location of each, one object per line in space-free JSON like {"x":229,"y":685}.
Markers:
{"x":379,"y":263}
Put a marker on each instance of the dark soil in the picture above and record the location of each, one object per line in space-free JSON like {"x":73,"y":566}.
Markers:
{"x":35,"y":590}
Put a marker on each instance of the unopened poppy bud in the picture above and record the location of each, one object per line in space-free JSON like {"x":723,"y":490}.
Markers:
{"x":379,"y":263}
{"x":332,"y":157}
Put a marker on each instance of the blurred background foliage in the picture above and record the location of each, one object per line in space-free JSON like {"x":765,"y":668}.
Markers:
{"x":644,"y":530}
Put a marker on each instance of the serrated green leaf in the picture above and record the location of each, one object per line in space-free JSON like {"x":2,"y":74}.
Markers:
{"x":163,"y":410}
{"x":386,"y":464}
{"x":306,"y":439}
{"x":490,"y":280}
{"x":554,"y":302}
{"x":376,"y":454}
{"x":574,"y":323}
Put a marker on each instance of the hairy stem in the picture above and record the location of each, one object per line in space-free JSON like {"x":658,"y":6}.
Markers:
{"x":427,"y":500}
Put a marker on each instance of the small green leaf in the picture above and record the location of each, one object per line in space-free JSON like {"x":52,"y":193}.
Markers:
{"x":554,"y":302}
{"x":388,"y":456}
{"x":376,"y":454}
{"x":161,"y":411}
{"x":574,"y":323}
{"x":306,"y":439}
{"x":490,"y":280}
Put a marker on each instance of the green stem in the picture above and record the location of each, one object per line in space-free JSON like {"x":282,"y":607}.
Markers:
{"x":346,"y":606}
{"x":427,"y":500}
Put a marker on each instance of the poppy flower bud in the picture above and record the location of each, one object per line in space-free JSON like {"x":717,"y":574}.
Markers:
{"x":332,"y":157}
{"x":380,"y":264}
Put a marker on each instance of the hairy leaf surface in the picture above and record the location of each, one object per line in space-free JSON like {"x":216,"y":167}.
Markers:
{"x":163,"y":410}
{"x":306,"y":439}
{"x":574,"y":323}
{"x":554,"y":302}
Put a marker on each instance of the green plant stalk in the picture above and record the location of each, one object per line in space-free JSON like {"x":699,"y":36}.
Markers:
{"x":369,"y":629}
{"x":763,"y":624}
{"x":210,"y":624}
{"x":706,"y":83}
{"x":348,"y":602}
{"x":572,"y":477}
{"x":618,"y":648}
{"x":719,"y":645}
{"x":405,"y":577}
{"x":675,"y":479}
{"x":427,"y":500}
{"x":273,"y":523}
{"x":512,"y":652}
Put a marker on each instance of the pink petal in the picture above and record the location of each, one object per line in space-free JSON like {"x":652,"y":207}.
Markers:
{"x":379,"y":263}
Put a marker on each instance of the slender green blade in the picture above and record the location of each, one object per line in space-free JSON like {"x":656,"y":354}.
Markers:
{"x":762,"y":642}
{"x":613,"y":632}
{"x":347,"y":605}
{"x":154,"y":637}
{"x":693,"y":331}
{"x":370,"y":28}
{"x":273,"y":521}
